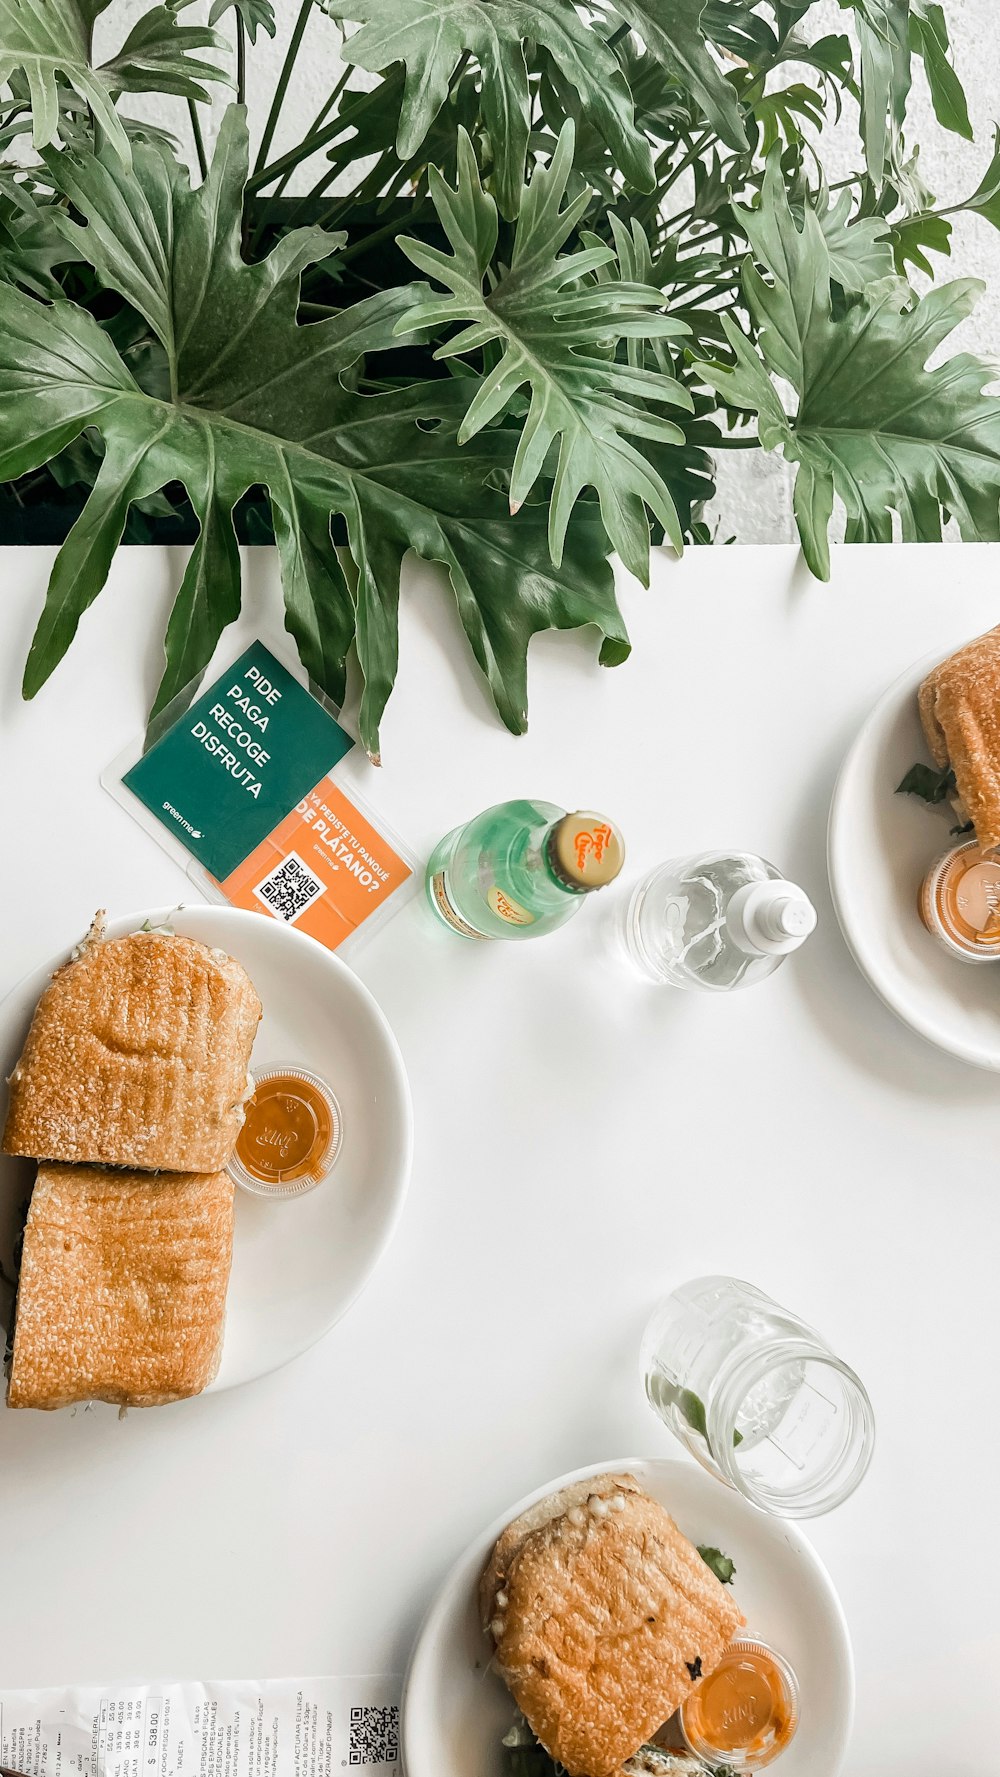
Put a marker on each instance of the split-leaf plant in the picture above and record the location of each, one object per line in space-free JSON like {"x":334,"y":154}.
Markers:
{"x":531,"y":267}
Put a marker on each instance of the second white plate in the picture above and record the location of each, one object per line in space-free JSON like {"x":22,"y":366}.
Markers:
{"x":455,"y":1711}
{"x":880,"y":847}
{"x":297,"y":1264}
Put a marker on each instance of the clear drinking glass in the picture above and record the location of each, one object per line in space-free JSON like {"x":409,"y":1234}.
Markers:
{"x":758,"y":1397}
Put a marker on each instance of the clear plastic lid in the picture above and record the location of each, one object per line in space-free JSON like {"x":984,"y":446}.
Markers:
{"x":746,"y":1711}
{"x":960,"y":903}
{"x":291,"y":1134}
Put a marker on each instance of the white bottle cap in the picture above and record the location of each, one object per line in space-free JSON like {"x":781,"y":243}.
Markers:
{"x":770,"y":918}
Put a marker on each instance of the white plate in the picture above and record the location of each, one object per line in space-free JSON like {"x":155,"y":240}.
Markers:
{"x":455,"y":1711}
{"x":297,"y":1264}
{"x":880,"y":847}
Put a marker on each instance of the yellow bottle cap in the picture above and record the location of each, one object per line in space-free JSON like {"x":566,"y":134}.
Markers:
{"x":587,"y":850}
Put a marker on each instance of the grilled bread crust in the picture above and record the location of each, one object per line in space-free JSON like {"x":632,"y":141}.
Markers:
{"x":122,"y":1291}
{"x":602,"y":1615}
{"x":137,"y":1056}
{"x":960,"y":710}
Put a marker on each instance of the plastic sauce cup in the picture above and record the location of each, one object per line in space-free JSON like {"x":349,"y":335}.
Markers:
{"x":745,"y":1712}
{"x":291,"y":1134}
{"x":960,"y":903}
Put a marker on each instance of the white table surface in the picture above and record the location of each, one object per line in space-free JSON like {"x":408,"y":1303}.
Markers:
{"x":583,"y":1144}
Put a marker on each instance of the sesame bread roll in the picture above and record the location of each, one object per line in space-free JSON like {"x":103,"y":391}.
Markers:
{"x":137,"y":1056}
{"x":960,"y":711}
{"x":602,"y":1616}
{"x":122,"y":1291}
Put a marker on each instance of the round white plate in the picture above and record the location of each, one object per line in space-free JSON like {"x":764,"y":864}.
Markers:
{"x":880,"y":847}
{"x":455,"y":1711}
{"x":298,"y":1264}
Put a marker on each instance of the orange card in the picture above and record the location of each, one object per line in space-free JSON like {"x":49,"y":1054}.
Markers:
{"x":324,"y":868}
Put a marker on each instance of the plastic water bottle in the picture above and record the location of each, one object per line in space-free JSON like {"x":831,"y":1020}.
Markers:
{"x":718,"y":921}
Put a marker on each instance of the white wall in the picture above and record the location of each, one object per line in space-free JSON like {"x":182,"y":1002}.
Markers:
{"x":754,"y":490}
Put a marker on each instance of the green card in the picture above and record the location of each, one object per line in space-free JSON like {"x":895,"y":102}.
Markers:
{"x":239,"y":760}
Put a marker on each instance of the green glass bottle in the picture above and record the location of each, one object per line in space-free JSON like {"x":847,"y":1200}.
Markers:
{"x":521,"y":869}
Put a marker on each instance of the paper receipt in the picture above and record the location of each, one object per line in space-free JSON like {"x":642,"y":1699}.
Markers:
{"x":307,"y":1727}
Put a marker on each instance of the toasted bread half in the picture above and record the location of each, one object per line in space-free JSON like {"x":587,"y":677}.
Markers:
{"x":960,"y":712}
{"x":602,"y":1616}
{"x":137,"y":1056}
{"x":122,"y":1291}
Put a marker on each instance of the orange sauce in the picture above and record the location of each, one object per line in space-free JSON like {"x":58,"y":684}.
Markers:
{"x":960,"y":901}
{"x":288,"y":1132}
{"x":747,"y":1706}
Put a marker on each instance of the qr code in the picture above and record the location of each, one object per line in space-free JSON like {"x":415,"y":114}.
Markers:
{"x":374,"y":1734}
{"x":289,"y":889}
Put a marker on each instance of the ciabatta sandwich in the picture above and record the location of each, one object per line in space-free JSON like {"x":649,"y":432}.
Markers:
{"x":122,"y":1290}
{"x":960,"y":712}
{"x":137,"y":1056}
{"x":602,"y":1616}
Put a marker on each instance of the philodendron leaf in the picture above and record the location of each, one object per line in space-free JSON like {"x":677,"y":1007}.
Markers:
{"x":256,"y":15}
{"x":158,"y":56}
{"x":430,"y":37}
{"x":46,"y":39}
{"x":861,"y":251}
{"x":734,"y":26}
{"x":870,"y":423}
{"x":557,"y":330}
{"x":985,"y":200}
{"x":781,"y":117}
{"x":256,"y":398}
{"x":913,"y":237}
{"x":884,"y":41}
{"x":30,"y":241}
{"x":929,"y":38}
{"x":671,"y":31}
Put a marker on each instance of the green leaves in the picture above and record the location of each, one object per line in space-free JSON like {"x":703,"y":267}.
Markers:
{"x":928,"y":783}
{"x":430,"y":37}
{"x":158,"y":56}
{"x":557,"y":330}
{"x":889,"y":33}
{"x":871,"y":423}
{"x":31,"y":244}
{"x":255,"y":14}
{"x":985,"y":200}
{"x":913,"y":237}
{"x":861,"y":251}
{"x":929,"y":39}
{"x":723,"y":1566}
{"x":255,"y":398}
{"x":884,"y":41}
{"x":576,"y":281}
{"x":175,"y":256}
{"x":784,"y":115}
{"x":671,"y":31}
{"x":930,"y":231}
{"x":48,"y":39}
{"x":43,"y":39}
